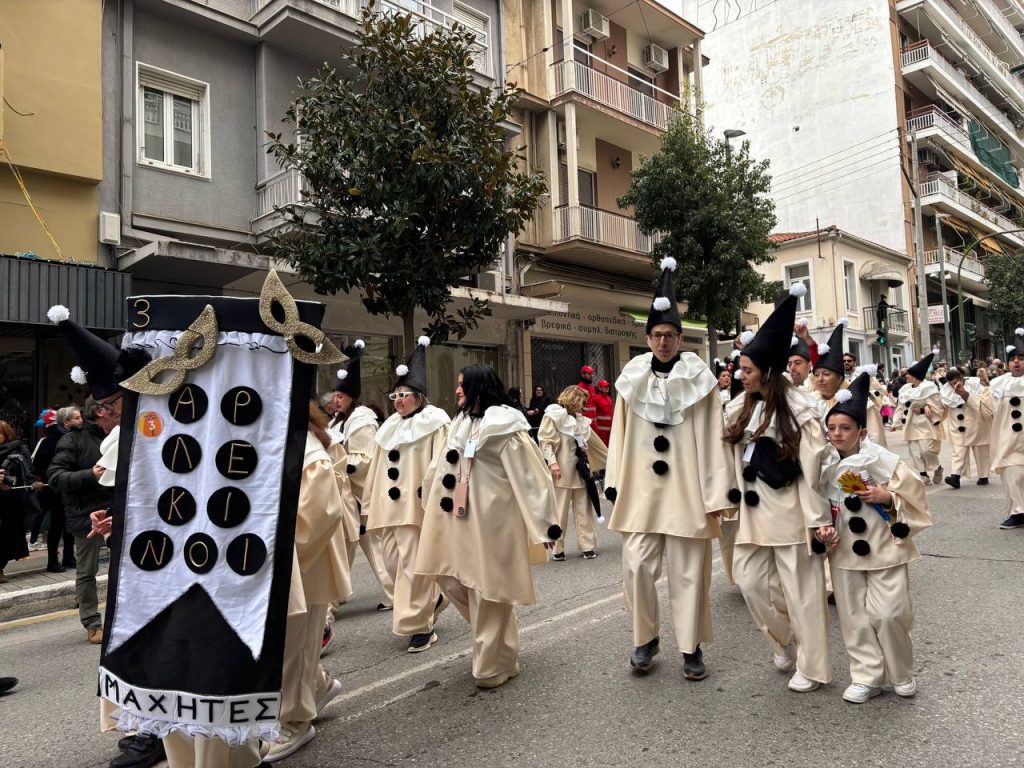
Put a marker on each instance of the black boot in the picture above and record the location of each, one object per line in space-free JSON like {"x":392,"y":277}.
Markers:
{"x":953,"y":481}
{"x":693,"y":665}
{"x":982,"y":481}
{"x":139,"y":752}
{"x":642,"y":658}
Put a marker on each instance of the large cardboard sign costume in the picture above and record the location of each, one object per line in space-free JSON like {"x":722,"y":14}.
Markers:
{"x":209,"y":462}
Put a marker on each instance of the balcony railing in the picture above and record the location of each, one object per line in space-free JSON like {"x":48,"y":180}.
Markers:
{"x":897,"y":320}
{"x":612,"y":93}
{"x":603,"y":227}
{"x":426,"y":17}
{"x":934,"y":117}
{"x":279,"y":190}
{"x":938,"y":185}
{"x":993,"y":11}
{"x":923,"y":52}
{"x":952,"y":257}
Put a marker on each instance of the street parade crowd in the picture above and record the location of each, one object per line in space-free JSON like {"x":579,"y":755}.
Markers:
{"x":779,"y":452}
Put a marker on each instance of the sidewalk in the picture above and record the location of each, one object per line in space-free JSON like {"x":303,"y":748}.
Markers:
{"x":32,"y":590}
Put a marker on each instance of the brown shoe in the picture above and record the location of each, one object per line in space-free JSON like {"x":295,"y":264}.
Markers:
{"x":94,"y":634}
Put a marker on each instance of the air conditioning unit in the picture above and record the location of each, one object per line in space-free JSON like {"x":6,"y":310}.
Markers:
{"x":655,"y":58}
{"x":489,"y":281}
{"x":594,"y":24}
{"x":110,"y":228}
{"x":927,"y":157}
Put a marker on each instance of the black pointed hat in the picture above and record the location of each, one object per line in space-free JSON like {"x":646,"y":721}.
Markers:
{"x":830,"y":354}
{"x":414,"y":375}
{"x":799,"y":347}
{"x":770,"y":347}
{"x":854,"y":400}
{"x":1017,"y":347}
{"x":664,"y":307}
{"x":96,"y":361}
{"x":349,"y":379}
{"x":920,"y":369}
{"x":719,"y":366}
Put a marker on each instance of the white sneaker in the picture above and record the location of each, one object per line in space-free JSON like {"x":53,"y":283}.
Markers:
{"x":858,"y":693}
{"x":289,"y":742}
{"x":801,"y":684}
{"x":906,"y":690}
{"x":327,"y":695}
{"x":786,"y":661}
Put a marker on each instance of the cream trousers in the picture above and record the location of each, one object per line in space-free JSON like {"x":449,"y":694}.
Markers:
{"x":924,"y":455}
{"x":184,"y":751}
{"x":302,"y":676}
{"x":494,"y":627}
{"x":726,"y":546}
{"x":582,"y":515}
{"x":689,"y":586}
{"x":415,"y":595}
{"x":876,"y":616}
{"x":784,"y":588}
{"x":1013,"y":481}
{"x":370,"y":542}
{"x":962,"y":460}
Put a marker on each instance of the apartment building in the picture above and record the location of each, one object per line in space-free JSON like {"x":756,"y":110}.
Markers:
{"x":600,"y":80}
{"x":190,"y":90}
{"x":51,"y":129}
{"x":839,"y":95}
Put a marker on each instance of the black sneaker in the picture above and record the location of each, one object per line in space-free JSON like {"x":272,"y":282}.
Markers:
{"x":139,"y":752}
{"x":693,"y":665}
{"x":421,"y":642}
{"x":643,"y":656}
{"x":589,"y":554}
{"x":7,"y":683}
{"x":982,"y":481}
{"x":953,"y":481}
{"x":1013,"y":521}
{"x":559,"y":557}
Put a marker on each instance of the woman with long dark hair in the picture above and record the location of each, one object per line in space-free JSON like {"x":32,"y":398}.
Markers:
{"x":784,"y":520}
{"x":490,"y":497}
{"x":535,"y":410}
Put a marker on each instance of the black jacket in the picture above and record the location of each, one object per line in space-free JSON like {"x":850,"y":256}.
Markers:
{"x":70,"y":474}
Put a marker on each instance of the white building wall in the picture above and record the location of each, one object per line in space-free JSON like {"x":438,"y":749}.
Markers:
{"x":813,"y":86}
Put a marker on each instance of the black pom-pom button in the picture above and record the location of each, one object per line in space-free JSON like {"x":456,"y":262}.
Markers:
{"x":554,"y":532}
{"x":858,"y":524}
{"x":853,"y":503}
{"x":1017,"y":427}
{"x":351,"y":469}
{"x":394,"y":455}
{"x":861,"y":547}
{"x":448,"y":481}
{"x":960,"y":417}
{"x":661,"y":444}
{"x":452,"y":456}
{"x":447,"y":504}
{"x":751,"y":498}
{"x":749,"y":474}
{"x":394,"y":493}
{"x":611,"y":494}
{"x":1015,"y":414}
{"x":900,"y":530}
{"x":1014,"y":401}
{"x":817,"y":547}
{"x":392,"y":473}
{"x":660,"y":467}
{"x":961,"y":429}
{"x":735,"y":496}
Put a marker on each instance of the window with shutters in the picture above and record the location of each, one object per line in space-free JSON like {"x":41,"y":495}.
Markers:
{"x":587,"y":181}
{"x":173,"y":122}
{"x":480,"y":24}
{"x":800,"y":273}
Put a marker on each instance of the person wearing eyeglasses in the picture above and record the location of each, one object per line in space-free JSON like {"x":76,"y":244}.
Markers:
{"x":406,"y":443}
{"x":668,"y":476}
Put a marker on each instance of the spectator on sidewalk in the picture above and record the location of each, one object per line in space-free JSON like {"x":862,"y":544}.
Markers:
{"x":16,"y":464}
{"x":55,"y":424}
{"x":535,"y":411}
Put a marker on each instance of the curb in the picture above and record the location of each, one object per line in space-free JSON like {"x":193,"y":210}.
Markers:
{"x":36,"y":601}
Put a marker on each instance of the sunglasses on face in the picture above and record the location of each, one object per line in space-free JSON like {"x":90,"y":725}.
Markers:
{"x":400,"y":395}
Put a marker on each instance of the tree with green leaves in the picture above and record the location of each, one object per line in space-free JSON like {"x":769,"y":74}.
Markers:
{"x":711,"y":207}
{"x":408,"y":182}
{"x":1004,"y":276}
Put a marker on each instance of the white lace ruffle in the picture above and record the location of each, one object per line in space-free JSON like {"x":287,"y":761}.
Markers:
{"x":234,"y":736}
{"x":687,"y":383}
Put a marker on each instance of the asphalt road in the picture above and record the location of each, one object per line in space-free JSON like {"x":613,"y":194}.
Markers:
{"x":576,"y":702}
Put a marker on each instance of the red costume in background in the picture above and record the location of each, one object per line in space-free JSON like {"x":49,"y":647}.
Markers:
{"x":605,"y":406}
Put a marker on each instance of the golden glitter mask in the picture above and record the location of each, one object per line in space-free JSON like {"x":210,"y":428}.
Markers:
{"x":203,"y":329}
{"x":293,"y":328}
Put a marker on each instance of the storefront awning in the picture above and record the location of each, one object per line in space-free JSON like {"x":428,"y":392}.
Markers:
{"x":882,"y":271}
{"x":749,"y":318}
{"x":976,"y":300}
{"x":31,"y":286}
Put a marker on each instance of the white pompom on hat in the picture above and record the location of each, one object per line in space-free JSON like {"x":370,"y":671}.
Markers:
{"x":423,"y":341}
{"x":342,"y":374}
{"x":823,"y":349}
{"x":844,"y":321}
{"x":746,"y":337}
{"x":668,"y":263}
{"x":78,"y":376}
{"x":402,"y":370}
{"x":58,"y":313}
{"x":844,"y":396}
{"x":797,"y":289}
{"x":662,"y":303}
{"x":359,"y":344}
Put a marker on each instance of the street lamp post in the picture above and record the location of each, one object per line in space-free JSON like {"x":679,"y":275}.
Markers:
{"x":942,"y":274}
{"x":960,"y":286}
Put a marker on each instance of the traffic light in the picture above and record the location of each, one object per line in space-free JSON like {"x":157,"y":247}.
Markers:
{"x":970,"y":333}
{"x":882,"y":340}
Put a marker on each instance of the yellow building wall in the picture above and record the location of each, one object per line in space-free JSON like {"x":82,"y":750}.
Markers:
{"x":52,"y":75}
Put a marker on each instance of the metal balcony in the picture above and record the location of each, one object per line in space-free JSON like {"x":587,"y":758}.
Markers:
{"x":897,"y":320}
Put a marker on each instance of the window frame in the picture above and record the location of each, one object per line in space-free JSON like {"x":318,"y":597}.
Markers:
{"x":805,"y":303}
{"x":850,"y":285}
{"x":174,"y":84}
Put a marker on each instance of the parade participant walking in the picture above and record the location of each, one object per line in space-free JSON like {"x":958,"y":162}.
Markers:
{"x":921,"y":411}
{"x":406,"y":444}
{"x":586,"y":382}
{"x":668,"y":476}
{"x":488,"y":498}
{"x":320,"y":575}
{"x":1002,"y":401}
{"x":880,"y":504}
{"x":968,"y":427}
{"x":605,"y":408}
{"x":356,"y":425}
{"x":829,"y":373}
{"x":565,"y":434}
{"x":778,"y":445}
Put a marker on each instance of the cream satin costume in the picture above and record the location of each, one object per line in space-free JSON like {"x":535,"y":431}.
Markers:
{"x":922,"y":432}
{"x":968,"y":428}
{"x":1003,"y":402}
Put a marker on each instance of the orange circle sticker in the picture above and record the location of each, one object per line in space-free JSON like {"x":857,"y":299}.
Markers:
{"x":150,"y":424}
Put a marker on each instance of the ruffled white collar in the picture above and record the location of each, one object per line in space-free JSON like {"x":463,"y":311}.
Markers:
{"x":803,"y":408}
{"x":314,"y":450}
{"x":108,"y":457}
{"x":565,"y":422}
{"x":360,"y":417}
{"x":1006,"y":385}
{"x":397,"y":431}
{"x":498,"y":421}
{"x":909,"y":393}
{"x":872,"y":458}
{"x":951,"y":399}
{"x":664,"y":400}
